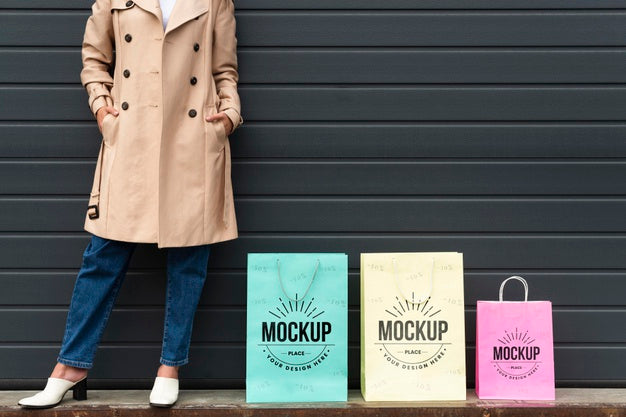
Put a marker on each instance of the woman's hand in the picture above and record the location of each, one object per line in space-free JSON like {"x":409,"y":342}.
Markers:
{"x":222,"y":118}
{"x":102,"y":112}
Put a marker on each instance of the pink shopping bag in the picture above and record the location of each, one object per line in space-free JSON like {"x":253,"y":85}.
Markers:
{"x":514,"y":348}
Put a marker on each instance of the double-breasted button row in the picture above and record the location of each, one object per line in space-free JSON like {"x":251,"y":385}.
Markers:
{"x":194,"y":81}
{"x":126,"y":73}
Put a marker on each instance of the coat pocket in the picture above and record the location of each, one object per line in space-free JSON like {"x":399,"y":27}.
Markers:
{"x":109,"y":133}
{"x":220,"y":129}
{"x":216,"y":134}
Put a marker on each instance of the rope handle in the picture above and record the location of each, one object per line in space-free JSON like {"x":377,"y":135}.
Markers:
{"x":280,"y":280}
{"x":522,"y":280}
{"x":430,"y":287}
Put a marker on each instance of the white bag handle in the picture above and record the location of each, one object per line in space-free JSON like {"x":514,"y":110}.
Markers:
{"x":280,"y":280}
{"x":430,"y":287}
{"x":522,"y":280}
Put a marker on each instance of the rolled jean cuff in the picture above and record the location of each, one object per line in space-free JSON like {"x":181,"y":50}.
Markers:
{"x":77,"y":364}
{"x":174,"y":363}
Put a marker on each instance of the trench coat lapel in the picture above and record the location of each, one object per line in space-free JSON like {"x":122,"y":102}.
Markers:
{"x":184,"y":11}
{"x":151,"y":6}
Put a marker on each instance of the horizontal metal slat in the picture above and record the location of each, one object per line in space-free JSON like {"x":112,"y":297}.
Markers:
{"x":220,"y":326}
{"x":228,"y":362}
{"x":339,"y":140}
{"x":363,"y":103}
{"x":362,"y":215}
{"x":361,"y":28}
{"x":376,"y":65}
{"x":41,"y":288}
{"x":484,"y":251}
{"x":357,"y":178}
{"x":359,"y":4}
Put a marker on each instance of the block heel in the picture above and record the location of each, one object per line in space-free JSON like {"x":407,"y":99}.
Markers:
{"x":79,"y":391}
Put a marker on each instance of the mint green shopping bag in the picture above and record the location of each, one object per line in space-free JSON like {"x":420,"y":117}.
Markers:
{"x":297,"y":327}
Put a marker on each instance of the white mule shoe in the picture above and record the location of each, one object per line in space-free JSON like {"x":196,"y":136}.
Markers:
{"x":164,"y":392}
{"x":54,"y":392}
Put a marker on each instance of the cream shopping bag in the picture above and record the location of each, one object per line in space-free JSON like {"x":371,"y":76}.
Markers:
{"x":412,"y":326}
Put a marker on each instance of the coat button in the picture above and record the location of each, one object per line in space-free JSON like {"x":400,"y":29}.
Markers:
{"x":192,"y":113}
{"x":196,"y":46}
{"x":125,"y":105}
{"x":193,"y":80}
{"x":128,"y":37}
{"x":129,"y":3}
{"x":126,"y":73}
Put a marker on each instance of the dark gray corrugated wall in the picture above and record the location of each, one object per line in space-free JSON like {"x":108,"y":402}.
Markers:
{"x":465,"y":125}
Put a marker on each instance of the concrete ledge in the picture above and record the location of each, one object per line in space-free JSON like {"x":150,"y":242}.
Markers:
{"x":227,"y":403}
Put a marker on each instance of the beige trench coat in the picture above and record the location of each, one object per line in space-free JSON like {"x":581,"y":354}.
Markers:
{"x":163,"y":173}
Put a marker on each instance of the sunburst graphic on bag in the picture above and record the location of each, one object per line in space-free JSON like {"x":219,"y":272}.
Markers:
{"x":516,"y":357}
{"x":295,"y":337}
{"x":412,"y":337}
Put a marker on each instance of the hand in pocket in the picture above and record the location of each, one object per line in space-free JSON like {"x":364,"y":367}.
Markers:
{"x":222,"y":118}
{"x":103,"y":112}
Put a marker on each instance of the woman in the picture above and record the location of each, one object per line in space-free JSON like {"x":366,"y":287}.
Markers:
{"x":162,"y":174}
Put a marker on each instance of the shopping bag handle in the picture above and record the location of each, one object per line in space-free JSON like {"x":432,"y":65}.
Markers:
{"x":307,"y":289}
{"x":430,"y":287}
{"x":522,"y":280}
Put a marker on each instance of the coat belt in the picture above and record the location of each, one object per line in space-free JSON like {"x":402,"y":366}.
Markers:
{"x":94,"y":200}
{"x":226,"y":188}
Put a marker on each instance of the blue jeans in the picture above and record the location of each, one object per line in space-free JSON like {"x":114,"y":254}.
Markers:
{"x":103,"y":269}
